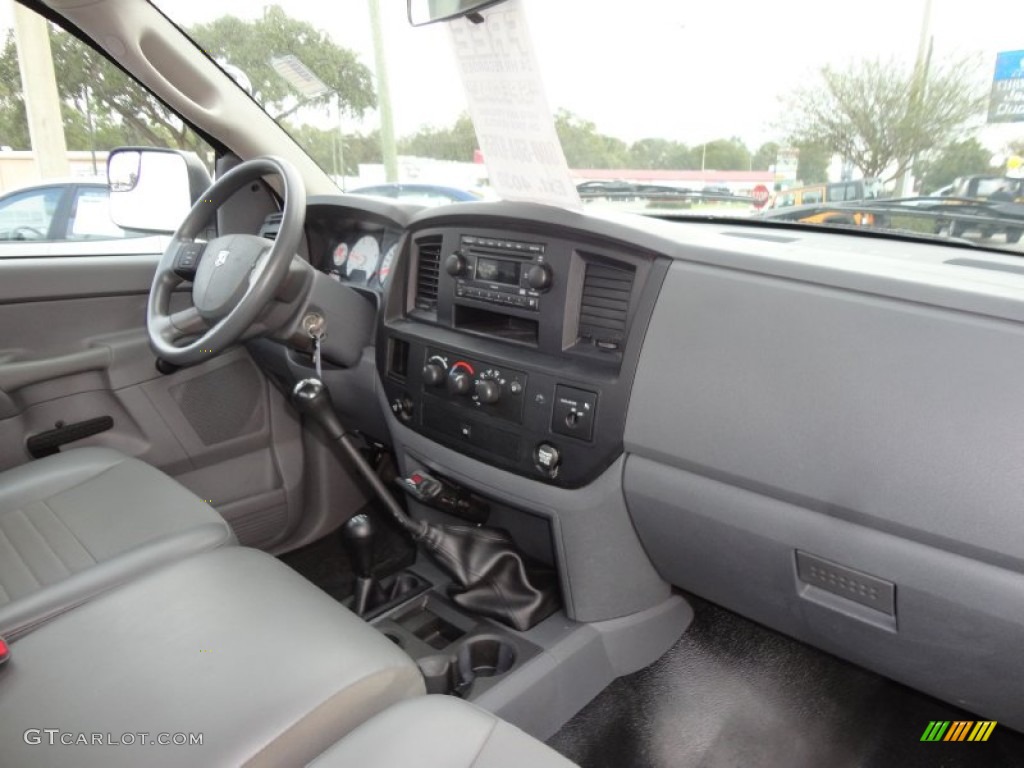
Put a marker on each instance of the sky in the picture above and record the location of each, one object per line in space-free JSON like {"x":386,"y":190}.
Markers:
{"x":678,"y":69}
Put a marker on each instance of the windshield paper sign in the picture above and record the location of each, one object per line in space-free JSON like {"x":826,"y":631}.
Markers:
{"x":1007,"y":102}
{"x":509,"y":108}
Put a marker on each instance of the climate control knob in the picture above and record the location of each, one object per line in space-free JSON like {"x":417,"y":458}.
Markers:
{"x":455,"y":265}
{"x":459,"y":382}
{"x":538,"y":277}
{"x":488,"y":391}
{"x":434,"y":374}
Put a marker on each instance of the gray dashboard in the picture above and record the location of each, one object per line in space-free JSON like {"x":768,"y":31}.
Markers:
{"x":830,"y":445}
{"x":819,"y":431}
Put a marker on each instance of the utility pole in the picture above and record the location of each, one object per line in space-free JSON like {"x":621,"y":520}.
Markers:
{"x":341,"y":143}
{"x":39,"y":87}
{"x":906,"y":180}
{"x":387,"y":123}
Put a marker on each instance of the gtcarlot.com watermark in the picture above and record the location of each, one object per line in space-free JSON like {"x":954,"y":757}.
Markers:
{"x":55,"y":737}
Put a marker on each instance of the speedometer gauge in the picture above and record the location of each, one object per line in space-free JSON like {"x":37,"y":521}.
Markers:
{"x":340,"y":255}
{"x":385,"y":265}
{"x":363,"y":256}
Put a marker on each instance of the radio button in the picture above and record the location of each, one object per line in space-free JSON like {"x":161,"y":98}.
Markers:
{"x":539,"y":277}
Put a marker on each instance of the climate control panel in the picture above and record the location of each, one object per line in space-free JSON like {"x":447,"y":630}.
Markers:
{"x":475,"y":384}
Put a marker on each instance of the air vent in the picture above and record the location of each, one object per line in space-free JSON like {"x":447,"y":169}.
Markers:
{"x":604,"y":305}
{"x":428,"y":269}
{"x":271,"y":226}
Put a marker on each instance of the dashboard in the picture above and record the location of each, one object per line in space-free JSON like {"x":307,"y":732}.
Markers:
{"x":715,"y":405}
{"x":516,"y":345}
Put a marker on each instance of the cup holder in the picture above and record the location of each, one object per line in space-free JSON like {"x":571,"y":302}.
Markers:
{"x":481,"y":656}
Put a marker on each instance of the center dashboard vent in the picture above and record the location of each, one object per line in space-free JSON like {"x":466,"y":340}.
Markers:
{"x":428,"y":270}
{"x":271,"y":226}
{"x":604,"y":304}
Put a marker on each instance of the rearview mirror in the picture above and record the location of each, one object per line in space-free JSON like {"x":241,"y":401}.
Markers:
{"x":151,"y":190}
{"x":428,"y":11}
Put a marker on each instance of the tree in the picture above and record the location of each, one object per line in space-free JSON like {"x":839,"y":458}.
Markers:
{"x":103,"y":108}
{"x":812,"y":166}
{"x":961,"y":158}
{"x":765,"y":157}
{"x":723,"y":155}
{"x":325,"y":146}
{"x":454,"y":143}
{"x":661,"y":154}
{"x":13,"y":123}
{"x":585,"y":146}
{"x":880,"y":114}
{"x":250,"y":45}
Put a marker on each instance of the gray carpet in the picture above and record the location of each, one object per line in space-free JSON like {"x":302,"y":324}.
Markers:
{"x":733,"y":693}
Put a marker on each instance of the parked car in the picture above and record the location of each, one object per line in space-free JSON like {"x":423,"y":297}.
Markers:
{"x":608,"y":190}
{"x":69,"y":217}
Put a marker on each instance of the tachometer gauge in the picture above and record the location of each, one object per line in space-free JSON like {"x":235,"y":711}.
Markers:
{"x":385,"y":265}
{"x":363,"y":256}
{"x":340,"y":255}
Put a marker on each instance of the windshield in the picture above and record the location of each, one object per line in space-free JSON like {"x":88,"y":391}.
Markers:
{"x":903,"y":117}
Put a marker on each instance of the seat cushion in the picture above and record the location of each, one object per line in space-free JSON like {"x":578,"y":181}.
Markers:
{"x":77,"y":523}
{"x":229,"y":644}
{"x":439,"y":732}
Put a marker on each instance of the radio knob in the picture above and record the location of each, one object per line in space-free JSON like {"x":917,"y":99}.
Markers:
{"x":488,"y":391}
{"x":459,"y":382}
{"x":433,"y":374}
{"x":455,"y":265}
{"x":538,"y":277}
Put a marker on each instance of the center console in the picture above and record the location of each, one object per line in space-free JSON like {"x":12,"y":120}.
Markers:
{"x":517,"y":346}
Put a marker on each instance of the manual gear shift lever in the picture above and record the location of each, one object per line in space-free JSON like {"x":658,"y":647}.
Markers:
{"x":357,"y":535}
{"x":492,"y":577}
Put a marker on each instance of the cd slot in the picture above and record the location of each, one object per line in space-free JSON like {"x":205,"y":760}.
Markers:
{"x":497,"y":324}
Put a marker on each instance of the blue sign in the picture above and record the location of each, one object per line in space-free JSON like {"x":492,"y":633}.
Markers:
{"x":1007,"y":102}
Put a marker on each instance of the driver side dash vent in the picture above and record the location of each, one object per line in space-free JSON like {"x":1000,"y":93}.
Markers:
{"x":428,"y":271}
{"x":271,"y":226}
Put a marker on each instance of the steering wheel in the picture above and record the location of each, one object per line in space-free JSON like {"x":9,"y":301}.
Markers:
{"x":18,"y":233}
{"x":237,"y":275}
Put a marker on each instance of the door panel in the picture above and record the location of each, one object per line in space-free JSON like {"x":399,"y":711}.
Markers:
{"x":73,"y":347}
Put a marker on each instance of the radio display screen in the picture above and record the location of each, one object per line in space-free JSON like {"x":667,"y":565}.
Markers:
{"x":497,"y":271}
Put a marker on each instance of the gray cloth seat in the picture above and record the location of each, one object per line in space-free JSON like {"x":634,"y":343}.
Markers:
{"x":230,"y":644}
{"x":77,"y":523}
{"x":438,"y":732}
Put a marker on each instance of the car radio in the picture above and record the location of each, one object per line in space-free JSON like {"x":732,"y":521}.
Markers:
{"x":508,"y":272}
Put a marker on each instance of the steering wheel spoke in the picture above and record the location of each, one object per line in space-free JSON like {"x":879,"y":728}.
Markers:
{"x":174,"y":327}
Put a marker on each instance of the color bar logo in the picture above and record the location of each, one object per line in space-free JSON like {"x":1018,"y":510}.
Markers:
{"x":958,"y":730}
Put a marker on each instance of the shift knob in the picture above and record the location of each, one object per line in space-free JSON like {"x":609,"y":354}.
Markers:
{"x":357,"y":535}
{"x":312,"y":398}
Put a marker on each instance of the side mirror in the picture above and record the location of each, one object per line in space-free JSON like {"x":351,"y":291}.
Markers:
{"x":428,"y":11}
{"x":152,"y":190}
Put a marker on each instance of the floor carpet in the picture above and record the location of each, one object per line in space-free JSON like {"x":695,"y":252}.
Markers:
{"x":733,"y":693}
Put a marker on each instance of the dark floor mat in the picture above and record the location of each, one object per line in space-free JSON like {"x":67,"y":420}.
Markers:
{"x":325,"y":563}
{"x":732,"y":693}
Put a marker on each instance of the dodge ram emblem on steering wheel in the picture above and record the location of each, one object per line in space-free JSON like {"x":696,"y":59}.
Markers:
{"x":222,"y":258}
